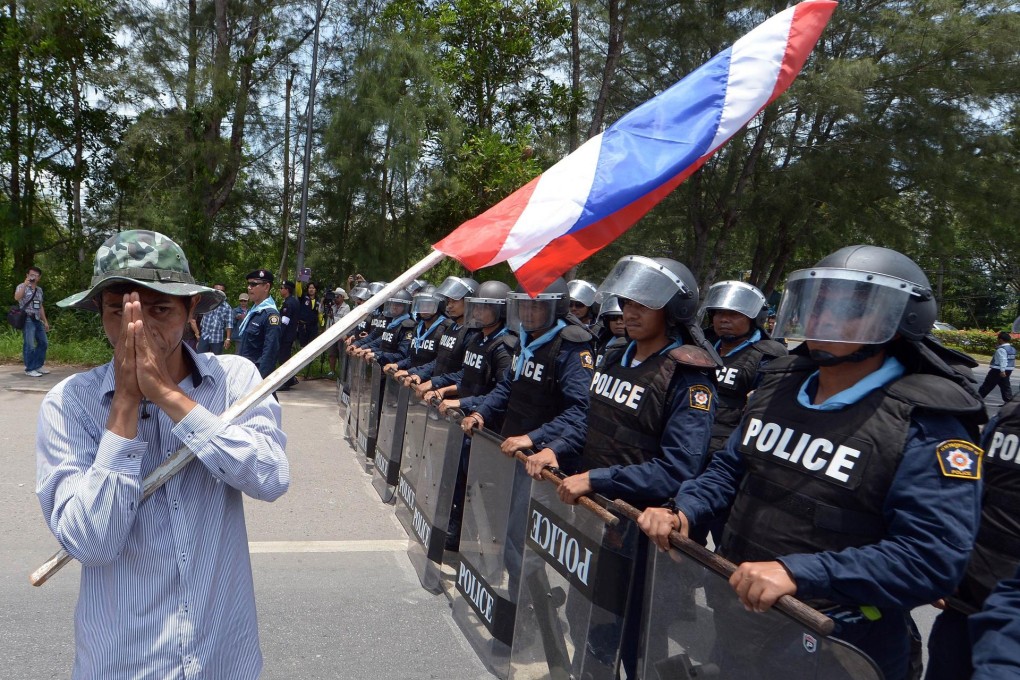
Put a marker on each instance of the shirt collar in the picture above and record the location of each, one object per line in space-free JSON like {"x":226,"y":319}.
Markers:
{"x":890,"y":370}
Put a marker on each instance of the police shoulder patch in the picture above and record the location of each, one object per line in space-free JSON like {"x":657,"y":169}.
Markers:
{"x":959,"y":459}
{"x":587,"y":360}
{"x":274,"y":319}
{"x":407,"y":335}
{"x":701,"y":397}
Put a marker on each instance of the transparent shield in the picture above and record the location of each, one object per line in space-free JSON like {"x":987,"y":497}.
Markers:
{"x":642,"y":280}
{"x":412,"y":449}
{"x":390,"y":440}
{"x":839,"y":305}
{"x":425,"y":303}
{"x":456,"y":288}
{"x":694,"y":626}
{"x":735,"y":296}
{"x":480,"y":312}
{"x":531,"y":315}
{"x":491,"y":551}
{"x":433,"y":496}
{"x":368,"y":412}
{"x":574,"y":584}
{"x":355,"y":373}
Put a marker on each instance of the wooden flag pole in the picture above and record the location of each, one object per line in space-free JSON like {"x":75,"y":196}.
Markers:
{"x":179,"y":460}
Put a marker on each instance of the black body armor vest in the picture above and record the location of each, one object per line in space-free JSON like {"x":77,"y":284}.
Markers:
{"x":996,"y":554}
{"x":479,"y":371}
{"x":425,"y":352}
{"x":733,"y":381}
{"x":817,"y":480}
{"x":450,"y":348}
{"x":391,"y":338}
{"x":535,"y":397}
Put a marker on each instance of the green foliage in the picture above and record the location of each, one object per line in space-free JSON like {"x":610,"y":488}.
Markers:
{"x":981,"y":342}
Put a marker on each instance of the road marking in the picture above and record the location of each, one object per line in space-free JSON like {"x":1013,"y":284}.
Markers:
{"x":326,"y":546}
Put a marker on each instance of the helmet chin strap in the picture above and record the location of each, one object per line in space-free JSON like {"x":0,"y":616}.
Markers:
{"x":823,"y":358}
{"x":733,"y":339}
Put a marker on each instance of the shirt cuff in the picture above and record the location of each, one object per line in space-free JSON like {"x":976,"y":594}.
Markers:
{"x":120,"y":455}
{"x":599,"y":480}
{"x":809,"y":575}
{"x":197,"y":428}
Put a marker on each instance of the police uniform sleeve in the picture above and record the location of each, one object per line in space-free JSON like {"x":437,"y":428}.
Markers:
{"x":447,"y":379}
{"x":683,"y":445}
{"x":488,"y":405}
{"x":271,"y":345}
{"x":712,"y":492}
{"x":424,"y":371}
{"x":931,"y":521}
{"x":501,"y":360}
{"x":996,"y":633}
{"x":565,"y":433}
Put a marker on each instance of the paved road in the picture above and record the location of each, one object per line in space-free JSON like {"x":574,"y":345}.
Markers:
{"x":336,"y":595}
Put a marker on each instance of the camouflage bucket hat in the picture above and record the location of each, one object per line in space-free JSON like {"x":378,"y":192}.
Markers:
{"x":148,"y":259}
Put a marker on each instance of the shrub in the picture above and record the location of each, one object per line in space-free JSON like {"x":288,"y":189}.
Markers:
{"x":973,"y":341}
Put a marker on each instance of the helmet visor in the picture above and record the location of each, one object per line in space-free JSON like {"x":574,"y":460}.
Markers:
{"x":454,"y":288}
{"x":735,"y":297}
{"x":841,"y":305}
{"x":480,"y":312}
{"x":361,"y":293}
{"x":395,"y":307}
{"x":426,"y":303}
{"x":582,"y":291}
{"x":531,"y":314}
{"x":642,"y":280}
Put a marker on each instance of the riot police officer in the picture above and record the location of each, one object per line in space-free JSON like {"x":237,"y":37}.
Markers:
{"x":737,"y":312}
{"x":487,"y":355}
{"x":376,"y":323}
{"x":427,"y":308}
{"x":610,"y":331}
{"x":996,"y":554}
{"x":450,"y":349}
{"x":260,"y":329}
{"x":582,"y":301}
{"x":852,"y":479}
{"x":544,"y":395}
{"x":652,"y":400}
{"x":394,"y":343}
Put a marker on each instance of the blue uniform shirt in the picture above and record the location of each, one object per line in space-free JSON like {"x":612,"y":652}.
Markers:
{"x":996,"y":634}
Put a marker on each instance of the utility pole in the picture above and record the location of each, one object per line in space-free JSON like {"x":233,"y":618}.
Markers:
{"x":308,"y":142}
{"x":286,"y":175}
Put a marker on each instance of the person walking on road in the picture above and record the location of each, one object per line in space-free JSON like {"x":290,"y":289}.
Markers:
{"x":1000,"y":369}
{"x":29,"y":296}
{"x":166,"y":582}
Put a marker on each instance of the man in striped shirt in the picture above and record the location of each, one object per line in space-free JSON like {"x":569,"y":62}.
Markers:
{"x":217,"y":326}
{"x":166,"y":586}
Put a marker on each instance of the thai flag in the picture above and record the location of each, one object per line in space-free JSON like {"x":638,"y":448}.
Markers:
{"x":582,"y":203}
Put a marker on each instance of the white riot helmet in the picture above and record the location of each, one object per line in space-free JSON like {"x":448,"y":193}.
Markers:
{"x":736,"y":296}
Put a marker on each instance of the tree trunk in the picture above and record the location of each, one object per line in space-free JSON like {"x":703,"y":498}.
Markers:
{"x":573,"y":125}
{"x":614,"y":48}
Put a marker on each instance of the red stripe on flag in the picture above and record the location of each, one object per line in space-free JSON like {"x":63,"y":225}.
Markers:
{"x":478,"y":240}
{"x":809,"y":20}
{"x":562,"y":253}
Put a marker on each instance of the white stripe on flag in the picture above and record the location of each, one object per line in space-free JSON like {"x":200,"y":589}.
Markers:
{"x":755,"y":61}
{"x":555,"y":205}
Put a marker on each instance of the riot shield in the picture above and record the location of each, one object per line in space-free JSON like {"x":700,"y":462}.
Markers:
{"x":431,"y":497}
{"x":491,"y":551}
{"x":343,"y":388}
{"x":390,"y":440}
{"x":368,"y":413}
{"x":575,"y":582}
{"x":411,"y":459}
{"x":694,"y":626}
{"x":355,"y":374}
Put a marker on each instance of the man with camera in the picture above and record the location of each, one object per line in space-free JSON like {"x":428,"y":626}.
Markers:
{"x":29,"y":296}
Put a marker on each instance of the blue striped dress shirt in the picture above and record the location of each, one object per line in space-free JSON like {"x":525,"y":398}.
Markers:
{"x":166,"y":586}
